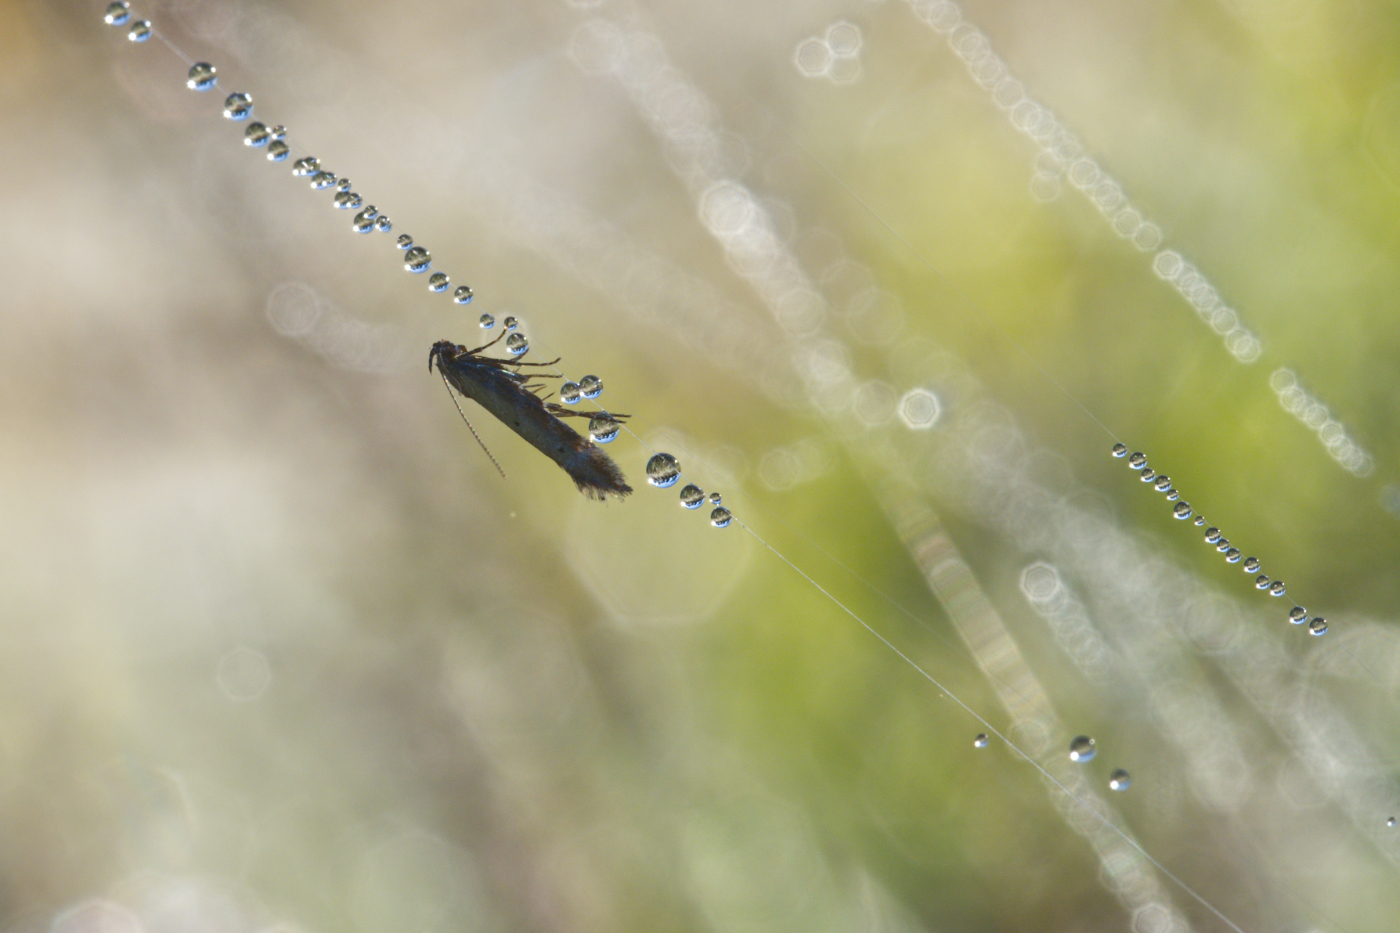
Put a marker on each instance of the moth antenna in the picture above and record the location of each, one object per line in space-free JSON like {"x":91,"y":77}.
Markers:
{"x":453,"y":395}
{"x":486,"y":346}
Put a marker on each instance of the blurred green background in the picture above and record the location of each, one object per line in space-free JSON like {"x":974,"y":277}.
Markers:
{"x":283,"y":651}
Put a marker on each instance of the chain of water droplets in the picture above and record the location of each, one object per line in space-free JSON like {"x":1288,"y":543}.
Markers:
{"x":662,"y":469}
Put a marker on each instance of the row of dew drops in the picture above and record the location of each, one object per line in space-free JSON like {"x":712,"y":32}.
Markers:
{"x":1317,"y":625}
{"x":662,"y":469}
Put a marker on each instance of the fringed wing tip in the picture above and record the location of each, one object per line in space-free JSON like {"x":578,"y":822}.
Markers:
{"x":596,"y":475}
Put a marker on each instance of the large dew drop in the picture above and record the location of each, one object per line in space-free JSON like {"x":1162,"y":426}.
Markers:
{"x":1251,"y":564}
{"x":1138,"y":460}
{"x":569,"y":393}
{"x":238,"y":106}
{"x":322,"y":180}
{"x":256,"y":135}
{"x":1181,"y":510}
{"x":438,"y":282}
{"x":716,"y":498}
{"x":140,"y":30}
{"x":1162,"y":483}
{"x":306,"y":165}
{"x":1318,"y":626}
{"x":663,"y":470}
{"x":1119,"y":450}
{"x":202,"y":76}
{"x":277,"y":151}
{"x":1082,"y":749}
{"x":1297,"y":615}
{"x":463,"y":295}
{"x":486,"y":321}
{"x":383,"y":224}
{"x":601,"y":428}
{"x":364,"y":220}
{"x":1233,"y":555}
{"x":417,"y":259}
{"x":590,"y":386}
{"x":404,"y":242}
{"x":1147,"y":475}
{"x":117,"y":13}
{"x":1212,"y":535}
{"x":1261,"y":582}
{"x":347,"y":199}
{"x":692,"y":496}
{"x":1120,"y":780}
{"x":510,"y":323}
{"x":721,"y":518}
{"x":517,"y":345}
{"x":1277,"y":588}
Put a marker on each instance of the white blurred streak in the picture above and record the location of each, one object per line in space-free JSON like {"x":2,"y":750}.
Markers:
{"x":296,"y":310}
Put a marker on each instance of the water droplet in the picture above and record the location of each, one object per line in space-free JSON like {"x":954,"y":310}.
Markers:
{"x":364,"y":221}
{"x":117,"y":13}
{"x":1277,"y":588}
{"x":1223,"y":545}
{"x":982,"y":741}
{"x":202,"y":77}
{"x":1212,"y":535}
{"x":383,"y":224}
{"x":1200,"y":520}
{"x":1119,"y":450}
{"x":277,"y":151}
{"x":1147,"y":475}
{"x":1390,"y":822}
{"x":1120,"y":780}
{"x":692,"y":496}
{"x":486,"y":321}
{"x":1233,"y":555}
{"x":663,"y":470}
{"x":1082,"y":749}
{"x":417,"y":259}
{"x":1162,"y":484}
{"x":1181,"y":510}
{"x":438,"y":282}
{"x":517,"y":345}
{"x":1261,"y":582}
{"x":590,"y":386}
{"x":277,"y":132}
{"x":238,"y":106}
{"x":140,"y":31}
{"x":1318,"y":626}
{"x":404,"y":241}
{"x":721,"y":517}
{"x":569,"y":393}
{"x":343,"y":185}
{"x":716,"y":498}
{"x":1137,"y":461}
{"x":602,"y":429}
{"x":1251,"y":565}
{"x":1297,"y":615}
{"x":322,"y":180}
{"x":463,"y":295}
{"x":256,"y":135}
{"x":510,"y":323}
{"x":347,"y":200}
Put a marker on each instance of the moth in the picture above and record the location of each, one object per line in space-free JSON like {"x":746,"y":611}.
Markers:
{"x":513,"y":397}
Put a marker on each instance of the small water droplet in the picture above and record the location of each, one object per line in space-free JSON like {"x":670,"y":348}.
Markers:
{"x":1297,"y":615}
{"x":343,"y":185}
{"x":322,"y":180}
{"x":590,"y":386}
{"x":256,"y":135}
{"x":202,"y":77}
{"x":692,"y":496}
{"x":463,"y":295}
{"x":1200,"y":520}
{"x":1138,"y":460}
{"x":1390,"y":822}
{"x":417,"y":259}
{"x":1082,"y":749}
{"x":404,"y":241}
{"x":1173,"y":495}
{"x":486,"y":321}
{"x":1251,"y":564}
{"x":383,"y":224}
{"x":347,"y":200}
{"x":1162,"y":484}
{"x":238,"y":106}
{"x":1277,"y":588}
{"x":1147,"y":475}
{"x":716,"y":498}
{"x":277,"y":151}
{"x":1212,"y":535}
{"x":140,"y":31}
{"x":1181,"y":510}
{"x":1261,"y":582}
{"x":1120,"y":780}
{"x":569,"y":393}
{"x":982,"y":741}
{"x":277,"y":132}
{"x":510,"y":323}
{"x":1318,"y":626}
{"x":438,"y":282}
{"x":663,"y":470}
{"x":721,"y":517}
{"x":117,"y":13}
{"x":602,"y":429}
{"x":1233,"y":555}
{"x":1119,"y":450}
{"x":364,"y":221}
{"x":1223,"y":545}
{"x":517,"y":345}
